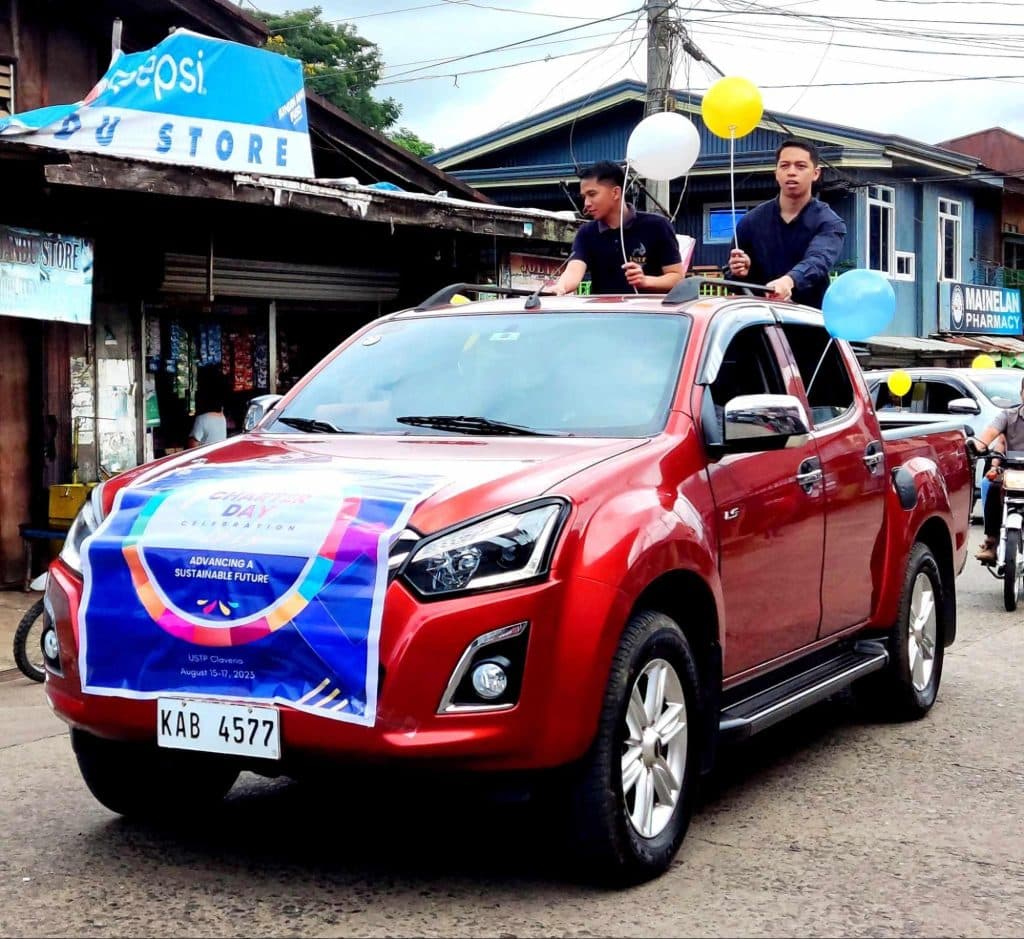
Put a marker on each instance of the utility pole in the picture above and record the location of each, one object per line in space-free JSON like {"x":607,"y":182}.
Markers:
{"x":660,"y":33}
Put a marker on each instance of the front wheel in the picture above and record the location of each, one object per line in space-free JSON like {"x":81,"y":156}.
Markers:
{"x":146,"y":782}
{"x":634,"y":793}
{"x":28,"y":643}
{"x":1012,"y":570}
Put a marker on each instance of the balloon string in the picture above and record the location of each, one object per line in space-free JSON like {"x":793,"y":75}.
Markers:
{"x":622,"y":215}
{"x":817,"y":368}
{"x":732,"y":184}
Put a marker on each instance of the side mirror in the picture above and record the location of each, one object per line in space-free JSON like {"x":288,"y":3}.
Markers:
{"x":763,"y":422}
{"x":258,"y":409}
{"x":963,"y":406}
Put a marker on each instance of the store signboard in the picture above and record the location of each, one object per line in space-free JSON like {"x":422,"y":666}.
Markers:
{"x":44,"y":276}
{"x":976,"y":308}
{"x":191,"y":100}
{"x":533,"y":270}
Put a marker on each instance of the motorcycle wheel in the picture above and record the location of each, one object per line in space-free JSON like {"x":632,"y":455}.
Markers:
{"x":28,"y":643}
{"x":1011,"y":570}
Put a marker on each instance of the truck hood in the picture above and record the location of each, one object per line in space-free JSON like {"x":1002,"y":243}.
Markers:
{"x":471,"y":476}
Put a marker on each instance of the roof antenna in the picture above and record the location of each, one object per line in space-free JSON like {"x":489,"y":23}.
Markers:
{"x":533,"y":301}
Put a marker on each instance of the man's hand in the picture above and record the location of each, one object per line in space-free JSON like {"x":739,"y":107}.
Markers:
{"x":635,"y":275}
{"x":781,"y":288}
{"x":739,"y":262}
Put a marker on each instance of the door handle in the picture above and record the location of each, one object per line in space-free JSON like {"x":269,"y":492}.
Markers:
{"x":874,"y":457}
{"x":809,"y":474}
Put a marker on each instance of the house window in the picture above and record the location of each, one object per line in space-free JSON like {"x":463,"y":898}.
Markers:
{"x":718,"y":221}
{"x":905,"y":265}
{"x":950,"y":215}
{"x":6,"y":89}
{"x":882,"y":229}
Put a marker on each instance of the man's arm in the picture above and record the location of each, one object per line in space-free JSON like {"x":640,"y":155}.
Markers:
{"x":820,"y":256}
{"x":571,"y":277}
{"x":653,"y":283}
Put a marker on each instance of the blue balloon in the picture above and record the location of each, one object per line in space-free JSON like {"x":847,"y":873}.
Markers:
{"x":858,"y":304}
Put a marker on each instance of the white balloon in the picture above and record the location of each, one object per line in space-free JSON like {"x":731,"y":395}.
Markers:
{"x":663,"y":146}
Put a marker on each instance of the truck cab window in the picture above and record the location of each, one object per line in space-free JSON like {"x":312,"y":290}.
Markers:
{"x":749,"y":367}
{"x":831,"y":395}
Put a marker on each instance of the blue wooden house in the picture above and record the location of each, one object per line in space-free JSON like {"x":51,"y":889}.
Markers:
{"x":920,"y":214}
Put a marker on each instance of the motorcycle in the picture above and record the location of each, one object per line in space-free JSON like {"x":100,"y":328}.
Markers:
{"x":1009,"y":565}
{"x":31,"y":634}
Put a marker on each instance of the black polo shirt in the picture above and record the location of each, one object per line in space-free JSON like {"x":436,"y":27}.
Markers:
{"x":806,"y":248}
{"x":650,"y":242}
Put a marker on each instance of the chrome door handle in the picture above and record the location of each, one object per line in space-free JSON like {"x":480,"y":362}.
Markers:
{"x":809,"y":474}
{"x":874,"y":457}
{"x":810,"y":478}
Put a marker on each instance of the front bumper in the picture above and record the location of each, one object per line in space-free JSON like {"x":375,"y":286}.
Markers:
{"x":573,"y":627}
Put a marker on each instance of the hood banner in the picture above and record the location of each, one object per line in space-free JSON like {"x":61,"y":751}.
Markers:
{"x":191,"y":100}
{"x":267,"y":588}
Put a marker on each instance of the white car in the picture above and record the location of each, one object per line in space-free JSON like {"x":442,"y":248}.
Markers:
{"x":976,"y":395}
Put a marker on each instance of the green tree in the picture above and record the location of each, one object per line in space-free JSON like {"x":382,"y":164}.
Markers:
{"x":338,"y":63}
{"x":411,"y":141}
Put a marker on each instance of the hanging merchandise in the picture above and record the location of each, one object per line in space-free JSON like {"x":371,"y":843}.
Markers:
{"x":242,"y":361}
{"x":152,"y":342}
{"x":261,"y":361}
{"x":173,"y":347}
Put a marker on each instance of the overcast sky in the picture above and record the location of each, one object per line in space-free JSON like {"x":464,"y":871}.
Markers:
{"x":814,"y":48}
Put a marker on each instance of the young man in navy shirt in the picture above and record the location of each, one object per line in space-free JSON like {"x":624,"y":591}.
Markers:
{"x":654,"y":264}
{"x":791,"y":242}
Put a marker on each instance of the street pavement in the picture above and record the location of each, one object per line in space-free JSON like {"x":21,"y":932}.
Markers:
{"x":829,"y":825}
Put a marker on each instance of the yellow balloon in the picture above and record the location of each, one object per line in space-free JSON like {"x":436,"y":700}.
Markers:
{"x":983,"y":361}
{"x":732,"y":107}
{"x":899,"y":383}
{"x":458,"y":299}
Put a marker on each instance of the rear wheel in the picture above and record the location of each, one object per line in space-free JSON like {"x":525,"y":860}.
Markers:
{"x":28,"y":643}
{"x":145,"y":781}
{"x":907,"y":687}
{"x":634,"y":794}
{"x":1012,"y":569}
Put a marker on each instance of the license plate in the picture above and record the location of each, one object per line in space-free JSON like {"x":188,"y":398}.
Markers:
{"x":235,"y":729}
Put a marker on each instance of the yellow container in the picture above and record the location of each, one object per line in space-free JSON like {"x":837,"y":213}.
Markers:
{"x":65,"y":501}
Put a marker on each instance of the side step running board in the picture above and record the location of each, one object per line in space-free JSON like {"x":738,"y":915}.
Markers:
{"x":760,"y":711}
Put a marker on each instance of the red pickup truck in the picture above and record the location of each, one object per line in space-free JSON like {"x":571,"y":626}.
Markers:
{"x":598,"y":535}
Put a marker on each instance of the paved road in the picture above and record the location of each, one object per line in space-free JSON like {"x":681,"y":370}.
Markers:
{"x":828,"y":825}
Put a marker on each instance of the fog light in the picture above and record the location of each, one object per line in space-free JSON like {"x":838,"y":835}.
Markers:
{"x":51,"y":648}
{"x":489,"y":680}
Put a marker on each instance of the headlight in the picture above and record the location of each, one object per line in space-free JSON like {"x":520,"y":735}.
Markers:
{"x":1013,"y":479}
{"x":497,"y":551}
{"x":86,"y":522}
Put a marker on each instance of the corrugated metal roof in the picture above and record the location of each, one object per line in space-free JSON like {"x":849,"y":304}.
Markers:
{"x":912,"y":344}
{"x":999,"y":344}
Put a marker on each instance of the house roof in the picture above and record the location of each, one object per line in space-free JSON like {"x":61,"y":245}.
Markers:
{"x":371,"y":153}
{"x":859,"y":147}
{"x":219,"y":18}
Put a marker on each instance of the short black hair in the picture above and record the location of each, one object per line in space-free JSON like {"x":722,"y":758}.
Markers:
{"x":604,"y":171}
{"x":811,"y":149}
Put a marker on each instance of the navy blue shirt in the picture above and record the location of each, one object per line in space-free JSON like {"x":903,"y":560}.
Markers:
{"x":650,"y":242}
{"x":805,"y":248}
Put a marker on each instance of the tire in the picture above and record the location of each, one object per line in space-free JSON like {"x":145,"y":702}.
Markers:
{"x":1011,"y":575}
{"x":28,"y":643}
{"x":627,"y":818}
{"x":905,"y":690}
{"x":142,"y":781}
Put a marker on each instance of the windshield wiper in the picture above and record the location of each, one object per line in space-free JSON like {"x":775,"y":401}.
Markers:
{"x":312,"y":426}
{"x":470,"y":425}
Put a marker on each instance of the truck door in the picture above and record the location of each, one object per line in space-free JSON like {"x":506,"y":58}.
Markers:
{"x":770,"y":519}
{"x":853,"y":463}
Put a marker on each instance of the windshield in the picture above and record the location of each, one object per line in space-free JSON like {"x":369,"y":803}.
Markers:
{"x":581,"y":374}
{"x":1002,"y":390}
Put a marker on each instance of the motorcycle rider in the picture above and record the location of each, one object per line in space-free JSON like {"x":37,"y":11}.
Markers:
{"x":1009,"y":423}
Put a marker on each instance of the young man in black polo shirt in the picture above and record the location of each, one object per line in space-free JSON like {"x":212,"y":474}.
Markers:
{"x":654,"y":264}
{"x":791,"y":242}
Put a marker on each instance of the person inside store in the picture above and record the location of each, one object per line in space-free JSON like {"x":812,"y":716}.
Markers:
{"x":1007,"y":426}
{"x":210,"y":425}
{"x":790,"y":243}
{"x":643,"y":257}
